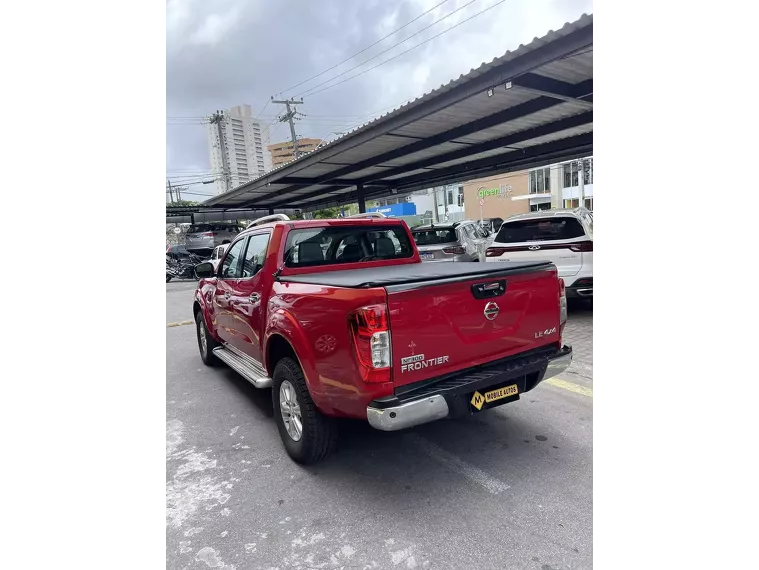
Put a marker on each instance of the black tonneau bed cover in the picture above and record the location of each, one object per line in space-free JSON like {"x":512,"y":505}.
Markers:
{"x":412,"y":275}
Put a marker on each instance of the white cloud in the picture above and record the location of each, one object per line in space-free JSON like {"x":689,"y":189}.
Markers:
{"x":215,"y":27}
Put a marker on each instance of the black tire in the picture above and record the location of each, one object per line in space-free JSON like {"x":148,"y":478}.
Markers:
{"x":206,"y":354}
{"x":168,"y":278}
{"x":319,"y":433}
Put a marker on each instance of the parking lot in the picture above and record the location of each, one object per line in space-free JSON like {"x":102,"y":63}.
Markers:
{"x":508,"y":488}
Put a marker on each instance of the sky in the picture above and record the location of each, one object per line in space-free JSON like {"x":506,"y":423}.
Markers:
{"x":222,"y":53}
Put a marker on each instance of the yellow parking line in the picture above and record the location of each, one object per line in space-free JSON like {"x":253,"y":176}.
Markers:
{"x":180,"y":323}
{"x":572,"y":387}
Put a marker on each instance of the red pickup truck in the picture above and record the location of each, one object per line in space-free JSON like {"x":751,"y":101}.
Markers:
{"x":343,"y":320}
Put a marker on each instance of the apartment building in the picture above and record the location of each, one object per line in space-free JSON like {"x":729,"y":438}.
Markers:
{"x":282,"y":152}
{"x":237,"y":146}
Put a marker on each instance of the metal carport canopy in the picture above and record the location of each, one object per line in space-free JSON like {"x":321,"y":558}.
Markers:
{"x":531,"y":107}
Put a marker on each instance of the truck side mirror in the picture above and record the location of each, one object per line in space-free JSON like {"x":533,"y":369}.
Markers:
{"x":204,"y":270}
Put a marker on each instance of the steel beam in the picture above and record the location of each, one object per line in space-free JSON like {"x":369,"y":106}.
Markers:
{"x":361,"y":199}
{"x":500,"y":142}
{"x":510,"y":114}
{"x":516,"y":157}
{"x":536,"y":156}
{"x":560,"y":90}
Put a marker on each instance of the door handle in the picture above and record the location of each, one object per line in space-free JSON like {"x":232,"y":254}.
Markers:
{"x":254,"y":297}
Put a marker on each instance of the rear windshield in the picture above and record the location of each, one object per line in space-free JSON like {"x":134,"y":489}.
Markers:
{"x":200,"y":228}
{"x":345,"y":244}
{"x":433,"y":237}
{"x":540,"y":230}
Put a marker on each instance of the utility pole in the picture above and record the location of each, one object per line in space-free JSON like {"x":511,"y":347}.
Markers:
{"x":171,"y":193}
{"x":289,"y":117}
{"x":218,"y":119}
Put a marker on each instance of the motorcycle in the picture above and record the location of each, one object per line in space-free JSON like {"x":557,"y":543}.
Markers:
{"x":182,"y":268}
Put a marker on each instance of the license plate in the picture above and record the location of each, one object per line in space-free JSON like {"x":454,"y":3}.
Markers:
{"x":427,"y":255}
{"x":478,"y":400}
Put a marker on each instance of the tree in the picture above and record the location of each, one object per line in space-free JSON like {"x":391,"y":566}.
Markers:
{"x":326,"y":214}
{"x":182,"y":203}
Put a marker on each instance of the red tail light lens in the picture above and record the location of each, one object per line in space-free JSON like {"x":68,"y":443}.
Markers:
{"x":454,"y":250}
{"x":371,"y":338}
{"x":209,"y":234}
{"x":582,"y":246}
{"x":495,"y":251}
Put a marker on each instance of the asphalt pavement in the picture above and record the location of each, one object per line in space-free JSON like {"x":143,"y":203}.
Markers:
{"x":508,"y":488}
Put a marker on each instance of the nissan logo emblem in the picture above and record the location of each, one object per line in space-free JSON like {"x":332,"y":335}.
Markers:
{"x":491,"y":311}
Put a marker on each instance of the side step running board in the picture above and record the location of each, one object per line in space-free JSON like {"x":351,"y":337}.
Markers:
{"x":245,"y":366}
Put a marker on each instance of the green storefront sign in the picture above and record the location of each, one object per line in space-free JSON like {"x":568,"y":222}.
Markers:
{"x":500,"y":191}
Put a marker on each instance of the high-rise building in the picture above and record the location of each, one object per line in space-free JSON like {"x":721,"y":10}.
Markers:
{"x":283,"y":152}
{"x":237,"y":144}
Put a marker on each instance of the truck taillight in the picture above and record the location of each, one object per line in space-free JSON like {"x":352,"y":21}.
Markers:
{"x":562,"y":304}
{"x":454,"y":250}
{"x":371,"y":337}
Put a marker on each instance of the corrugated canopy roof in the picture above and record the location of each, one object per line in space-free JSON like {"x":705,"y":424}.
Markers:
{"x":531,"y":107}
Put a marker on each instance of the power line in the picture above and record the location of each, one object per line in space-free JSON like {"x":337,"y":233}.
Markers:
{"x":306,"y":92}
{"x":262,"y":110}
{"x":408,"y":50}
{"x":366,"y":48}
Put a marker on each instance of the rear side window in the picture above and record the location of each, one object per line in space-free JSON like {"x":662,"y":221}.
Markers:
{"x":345,"y":244}
{"x":540,"y":230}
{"x":434,"y":237}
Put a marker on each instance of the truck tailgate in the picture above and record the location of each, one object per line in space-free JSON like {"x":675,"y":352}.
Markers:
{"x":442,"y":327}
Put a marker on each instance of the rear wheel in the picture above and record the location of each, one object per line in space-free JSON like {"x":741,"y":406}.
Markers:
{"x":206,"y":343}
{"x":168,"y":278}
{"x":308,"y":435}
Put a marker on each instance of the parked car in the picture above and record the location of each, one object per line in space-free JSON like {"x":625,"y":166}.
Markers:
{"x":217,"y":254}
{"x":203,"y":238}
{"x":364,"y":330}
{"x":563,"y":237}
{"x":459,"y":241}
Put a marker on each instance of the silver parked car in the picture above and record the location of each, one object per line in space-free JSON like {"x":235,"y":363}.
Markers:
{"x":459,"y":241}
{"x":202,"y":238}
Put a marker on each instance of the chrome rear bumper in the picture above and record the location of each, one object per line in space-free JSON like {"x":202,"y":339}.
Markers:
{"x":435,"y":406}
{"x":408,"y":415}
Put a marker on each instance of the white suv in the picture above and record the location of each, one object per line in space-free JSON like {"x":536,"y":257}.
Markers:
{"x":564,"y":237}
